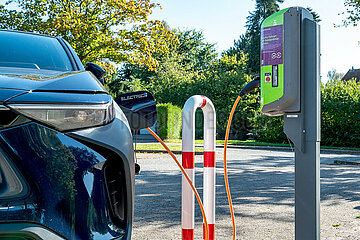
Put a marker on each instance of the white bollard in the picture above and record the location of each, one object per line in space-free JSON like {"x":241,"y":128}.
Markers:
{"x":188,"y":155}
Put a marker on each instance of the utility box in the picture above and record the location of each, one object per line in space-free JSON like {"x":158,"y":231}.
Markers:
{"x":280,"y":61}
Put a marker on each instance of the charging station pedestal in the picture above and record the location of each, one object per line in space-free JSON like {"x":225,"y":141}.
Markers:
{"x":290,"y":86}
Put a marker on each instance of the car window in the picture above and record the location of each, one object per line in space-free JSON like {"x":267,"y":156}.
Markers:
{"x":21,"y":50}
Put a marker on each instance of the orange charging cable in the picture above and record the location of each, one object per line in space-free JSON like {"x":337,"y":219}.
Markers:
{"x":225,"y":166}
{"x":188,"y":179}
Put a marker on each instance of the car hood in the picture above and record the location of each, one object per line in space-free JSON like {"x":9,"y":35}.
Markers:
{"x":52,"y":81}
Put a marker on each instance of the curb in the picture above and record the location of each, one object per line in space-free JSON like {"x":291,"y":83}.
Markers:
{"x":288,"y":149}
{"x":164,"y":151}
{"x":323,"y":150}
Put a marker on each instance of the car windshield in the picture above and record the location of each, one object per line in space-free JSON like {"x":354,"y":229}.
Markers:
{"x":22,"y":50}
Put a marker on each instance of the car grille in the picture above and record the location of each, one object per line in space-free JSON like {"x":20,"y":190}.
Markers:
{"x":116,"y":191}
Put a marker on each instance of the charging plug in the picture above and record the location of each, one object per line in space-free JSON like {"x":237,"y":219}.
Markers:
{"x":250,"y":86}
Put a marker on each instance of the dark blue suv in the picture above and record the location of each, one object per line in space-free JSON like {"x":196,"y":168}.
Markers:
{"x":66,"y":150}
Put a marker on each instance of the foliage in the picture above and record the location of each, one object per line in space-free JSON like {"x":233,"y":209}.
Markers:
{"x":180,"y":69}
{"x":332,"y":75}
{"x":353,"y":12}
{"x":117,"y":86}
{"x":316,"y":16}
{"x":340,"y":105}
{"x":118,"y":30}
{"x":221,"y":80}
{"x":176,"y":68}
{"x":249,"y":42}
{"x":171,"y":83}
{"x":199,"y":124}
{"x":169,"y":118}
{"x":340,"y":115}
{"x":268,"y":129}
{"x":222,"y":83}
{"x":195,"y":52}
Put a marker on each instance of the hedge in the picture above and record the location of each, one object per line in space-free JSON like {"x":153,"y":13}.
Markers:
{"x":340,"y":121}
{"x":268,"y":129}
{"x":340,"y":114}
{"x":169,"y":118}
{"x":340,"y":117}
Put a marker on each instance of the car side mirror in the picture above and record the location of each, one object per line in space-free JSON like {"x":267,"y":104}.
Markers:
{"x":139,"y":108}
{"x":95,"y":69}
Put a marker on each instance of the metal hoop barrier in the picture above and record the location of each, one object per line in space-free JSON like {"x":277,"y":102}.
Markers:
{"x":188,"y":155}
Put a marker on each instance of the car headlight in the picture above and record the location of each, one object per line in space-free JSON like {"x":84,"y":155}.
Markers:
{"x":67,"y":117}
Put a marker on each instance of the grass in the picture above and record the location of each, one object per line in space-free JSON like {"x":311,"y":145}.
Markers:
{"x":151,"y":146}
{"x":144,"y":146}
{"x":235,"y":142}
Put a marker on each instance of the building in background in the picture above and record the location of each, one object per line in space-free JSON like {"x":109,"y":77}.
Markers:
{"x":352,"y":74}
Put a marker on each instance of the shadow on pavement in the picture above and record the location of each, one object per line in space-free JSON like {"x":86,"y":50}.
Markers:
{"x":260,"y":181}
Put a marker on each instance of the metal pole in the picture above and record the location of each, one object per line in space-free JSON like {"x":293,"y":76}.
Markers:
{"x":188,"y":154}
{"x":304,"y":130}
{"x":307,"y":162}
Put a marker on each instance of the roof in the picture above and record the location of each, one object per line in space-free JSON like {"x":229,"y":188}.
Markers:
{"x":352,"y":73}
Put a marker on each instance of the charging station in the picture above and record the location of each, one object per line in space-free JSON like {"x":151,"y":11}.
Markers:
{"x":290,"y":86}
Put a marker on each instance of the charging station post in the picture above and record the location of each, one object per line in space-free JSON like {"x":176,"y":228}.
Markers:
{"x":290,"y":86}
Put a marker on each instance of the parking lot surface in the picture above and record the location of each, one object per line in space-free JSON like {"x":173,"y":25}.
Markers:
{"x":262,"y":188}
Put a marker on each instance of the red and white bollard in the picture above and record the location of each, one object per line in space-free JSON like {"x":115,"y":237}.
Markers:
{"x":188,"y":155}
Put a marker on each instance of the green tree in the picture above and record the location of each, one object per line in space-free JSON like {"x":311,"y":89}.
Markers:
{"x":352,"y":12}
{"x":195,"y":52}
{"x":176,"y":70}
{"x":332,"y":75}
{"x":117,"y":30}
{"x":171,"y":83}
{"x":249,"y":43}
{"x":222,"y":83}
{"x":316,"y":16}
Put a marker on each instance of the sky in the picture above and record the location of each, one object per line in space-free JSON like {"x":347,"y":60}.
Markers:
{"x":223,"y":21}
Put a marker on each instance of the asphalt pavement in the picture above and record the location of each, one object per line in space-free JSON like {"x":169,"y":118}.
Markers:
{"x":262,"y":187}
